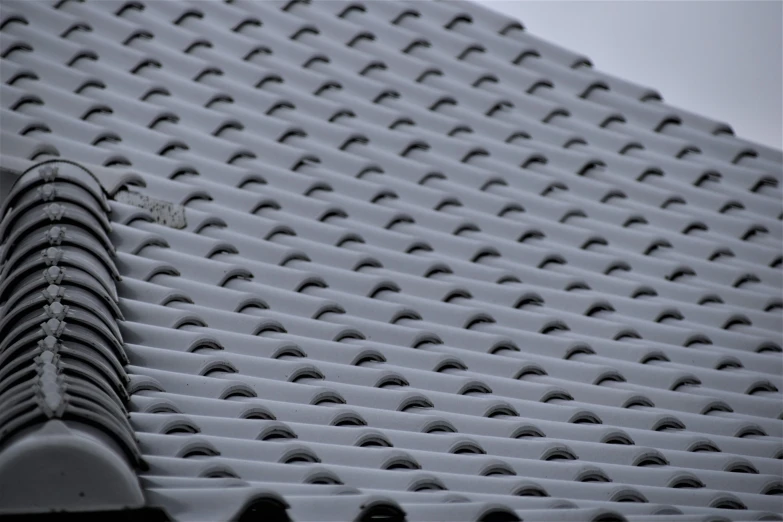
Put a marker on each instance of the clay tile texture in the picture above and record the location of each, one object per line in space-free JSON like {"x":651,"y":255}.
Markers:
{"x":329,"y":261}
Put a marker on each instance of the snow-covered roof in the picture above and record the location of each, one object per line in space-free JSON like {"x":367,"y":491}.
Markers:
{"x":348,"y":260}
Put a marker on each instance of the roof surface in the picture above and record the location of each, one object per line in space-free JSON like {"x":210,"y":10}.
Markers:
{"x":343,"y":259}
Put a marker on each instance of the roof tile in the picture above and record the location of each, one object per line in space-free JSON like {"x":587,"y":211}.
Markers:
{"x":348,"y":260}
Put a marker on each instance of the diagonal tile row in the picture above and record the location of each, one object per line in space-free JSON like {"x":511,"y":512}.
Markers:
{"x":430,"y":264}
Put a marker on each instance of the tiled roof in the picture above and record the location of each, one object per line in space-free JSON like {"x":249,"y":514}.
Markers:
{"x":354,"y":260}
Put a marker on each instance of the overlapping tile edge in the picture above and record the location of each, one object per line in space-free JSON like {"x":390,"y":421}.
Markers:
{"x":430,"y":265}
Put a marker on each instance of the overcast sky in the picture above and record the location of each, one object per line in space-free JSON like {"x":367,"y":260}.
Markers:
{"x":719,"y":58}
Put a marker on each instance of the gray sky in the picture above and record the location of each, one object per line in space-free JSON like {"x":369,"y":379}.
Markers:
{"x":719,"y":58}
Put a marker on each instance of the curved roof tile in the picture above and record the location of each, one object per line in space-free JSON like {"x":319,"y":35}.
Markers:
{"x":355,"y":260}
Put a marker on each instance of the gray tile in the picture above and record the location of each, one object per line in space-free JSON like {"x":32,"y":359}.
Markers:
{"x":342,"y":260}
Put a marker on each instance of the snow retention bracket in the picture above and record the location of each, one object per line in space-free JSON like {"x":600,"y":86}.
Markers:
{"x":66,"y":443}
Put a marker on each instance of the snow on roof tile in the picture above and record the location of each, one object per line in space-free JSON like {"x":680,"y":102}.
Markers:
{"x":356,"y":260}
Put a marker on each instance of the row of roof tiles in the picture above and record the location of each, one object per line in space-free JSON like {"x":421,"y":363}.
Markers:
{"x":357,"y":260}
